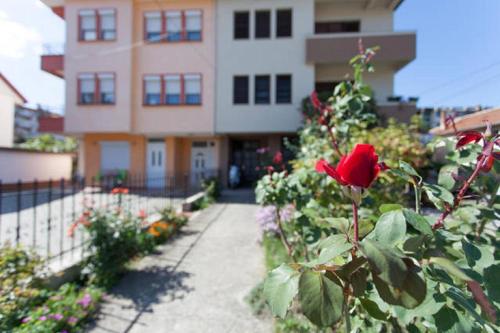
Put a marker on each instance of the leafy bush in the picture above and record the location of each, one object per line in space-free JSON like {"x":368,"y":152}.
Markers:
{"x":65,"y":311}
{"x":115,"y":238}
{"x":212,"y":187}
{"x":364,"y":261}
{"x":20,"y":285}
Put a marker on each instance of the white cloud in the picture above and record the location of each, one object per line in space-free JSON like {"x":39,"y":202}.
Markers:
{"x":17,"y":40}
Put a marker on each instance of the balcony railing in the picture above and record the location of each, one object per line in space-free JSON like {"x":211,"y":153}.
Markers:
{"x":397,"y":48}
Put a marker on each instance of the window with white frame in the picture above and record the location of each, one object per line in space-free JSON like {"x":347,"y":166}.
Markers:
{"x":107,"y":24}
{"x":153,"y":26}
{"x":152,"y":90}
{"x":106,"y":88}
{"x":174,"y":25}
{"x":172,"y":89}
{"x":88,"y":25}
{"x":193,"y":25}
{"x":86,"y":84}
{"x":192,"y":89}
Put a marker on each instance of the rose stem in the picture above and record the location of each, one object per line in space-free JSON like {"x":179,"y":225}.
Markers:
{"x":440,"y":222}
{"x":355,"y":222}
{"x":283,"y":236}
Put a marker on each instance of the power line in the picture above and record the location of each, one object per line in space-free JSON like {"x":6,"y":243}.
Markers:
{"x":468,"y":88}
{"x":450,"y":82}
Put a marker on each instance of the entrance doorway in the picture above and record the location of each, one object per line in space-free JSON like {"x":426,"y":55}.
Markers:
{"x":244,"y":156}
{"x":156,"y":162}
{"x":202,"y":161}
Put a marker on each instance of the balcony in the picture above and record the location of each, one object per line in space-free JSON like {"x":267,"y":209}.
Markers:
{"x":53,"y":60}
{"x":396,"y":48}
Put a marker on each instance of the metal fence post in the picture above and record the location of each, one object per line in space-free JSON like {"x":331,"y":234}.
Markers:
{"x":61,"y":240}
{"x":35,"y":204}
{"x":73,"y":214}
{"x":18,"y":205}
{"x":49,"y":217}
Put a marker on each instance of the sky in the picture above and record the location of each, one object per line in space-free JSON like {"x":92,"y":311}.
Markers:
{"x":457,"y":64}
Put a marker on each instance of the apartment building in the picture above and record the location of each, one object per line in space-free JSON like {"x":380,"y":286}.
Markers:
{"x":188,"y":86}
{"x":10,"y":99}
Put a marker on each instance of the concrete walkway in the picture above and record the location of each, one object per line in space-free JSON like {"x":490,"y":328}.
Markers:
{"x":197,"y":282}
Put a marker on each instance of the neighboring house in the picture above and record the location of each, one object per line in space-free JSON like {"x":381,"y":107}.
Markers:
{"x":183,"y":87}
{"x":471,"y":122}
{"x":10,"y":97}
{"x":432,"y":117}
{"x":30,"y":122}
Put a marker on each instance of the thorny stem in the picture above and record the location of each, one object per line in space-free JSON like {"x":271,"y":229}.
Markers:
{"x":440,"y":222}
{"x":283,"y":236}
{"x":418,"y":198}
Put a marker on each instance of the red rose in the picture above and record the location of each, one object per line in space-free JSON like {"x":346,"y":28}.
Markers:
{"x":465,"y":138}
{"x":278,"y":158}
{"x":359,"y":168}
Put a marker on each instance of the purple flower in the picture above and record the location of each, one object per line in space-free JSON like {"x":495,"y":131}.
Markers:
{"x":286,"y":213}
{"x":25,"y":320}
{"x":64,"y":331}
{"x":85,"y":301}
{"x":72,"y":320}
{"x":43,"y":318}
{"x":56,"y":316}
{"x":266,"y":218}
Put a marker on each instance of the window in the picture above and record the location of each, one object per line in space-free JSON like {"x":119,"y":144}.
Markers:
{"x":97,"y":24}
{"x":152,"y":90}
{"x":241,"y":25}
{"x":193,"y":25}
{"x":107,"y":21}
{"x":263,"y":24}
{"x":192,"y":89}
{"x":283,"y":89}
{"x":172,"y":89}
{"x":240,"y":90}
{"x":86,"y":84}
{"x":326,"y":86}
{"x":337,"y":27}
{"x":284,"y":23}
{"x":106,"y":88}
{"x":88,"y":25}
{"x":262,"y":89}
{"x":153,"y":26}
{"x":174,"y":26}
{"x":96,"y":88}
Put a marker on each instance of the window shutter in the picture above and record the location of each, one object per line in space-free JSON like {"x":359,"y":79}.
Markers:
{"x":107,"y":83}
{"x":173,"y":84}
{"x":107,"y":19}
{"x":153,"y":22}
{"x":88,"y":20}
{"x":193,"y":20}
{"x":192,"y":84}
{"x":153,"y":84}
{"x":87,"y":83}
{"x":174,"y":21}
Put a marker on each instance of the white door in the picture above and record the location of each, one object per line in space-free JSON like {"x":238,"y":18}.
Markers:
{"x":156,"y":164}
{"x":202,"y":161}
{"x":115,"y":157}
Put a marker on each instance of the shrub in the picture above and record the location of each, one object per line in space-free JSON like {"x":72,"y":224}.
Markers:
{"x":115,"y":238}
{"x":65,"y":311}
{"x":212,"y":187}
{"x":20,"y":285}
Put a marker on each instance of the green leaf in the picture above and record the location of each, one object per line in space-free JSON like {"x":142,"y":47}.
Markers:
{"x":390,"y":228}
{"x":373,"y":310}
{"x":478,"y":257}
{"x":467,"y":304}
{"x":321,"y":299}
{"x":359,"y":281}
{"x":331,"y":247}
{"x":409,"y":170}
{"x":492,"y":282}
{"x":384,"y":262}
{"x":445,"y":178}
{"x":450,"y":268}
{"x":411,"y":293}
{"x":451,"y":321}
{"x":385,"y":208}
{"x":339,"y":223}
{"x":418,"y":222}
{"x":438,"y":195}
{"x":280,"y":288}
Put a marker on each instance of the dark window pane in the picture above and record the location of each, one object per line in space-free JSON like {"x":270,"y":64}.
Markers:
{"x":326,"y":87}
{"x":262,"y":24}
{"x":107,"y":98}
{"x":283,"y":89}
{"x":284,"y":23}
{"x":262,"y":89}
{"x":337,"y":27}
{"x":193,"y":99}
{"x":153,"y":99}
{"x":241,"y":25}
{"x":193,"y":35}
{"x":240,"y":90}
{"x":174,"y":36}
{"x":108,"y":34}
{"x":173,"y":99}
{"x":153,"y":36}
{"x":87,"y":98}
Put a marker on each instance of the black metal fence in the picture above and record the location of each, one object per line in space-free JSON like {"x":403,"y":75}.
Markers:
{"x":38,"y":214}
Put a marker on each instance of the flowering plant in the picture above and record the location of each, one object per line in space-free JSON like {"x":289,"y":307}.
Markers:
{"x":397,"y":267}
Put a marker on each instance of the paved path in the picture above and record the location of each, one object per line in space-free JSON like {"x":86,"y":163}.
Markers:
{"x":197,"y":282}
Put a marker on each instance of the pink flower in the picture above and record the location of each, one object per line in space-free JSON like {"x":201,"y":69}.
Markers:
{"x":72,"y":320}
{"x":56,"y":316}
{"x":25,"y":320}
{"x":85,"y":301}
{"x":43,"y":318}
